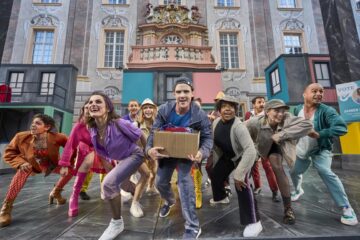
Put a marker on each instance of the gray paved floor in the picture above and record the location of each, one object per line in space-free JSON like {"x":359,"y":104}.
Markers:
{"x":317,"y":215}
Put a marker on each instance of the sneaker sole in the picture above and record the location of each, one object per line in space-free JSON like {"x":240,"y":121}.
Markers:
{"x":350,"y":223}
{"x":197,"y":236}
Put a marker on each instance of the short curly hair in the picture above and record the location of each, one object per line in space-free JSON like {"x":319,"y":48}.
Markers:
{"x":49,"y":121}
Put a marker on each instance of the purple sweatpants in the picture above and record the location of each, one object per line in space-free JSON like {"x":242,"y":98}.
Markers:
{"x":123,"y":170}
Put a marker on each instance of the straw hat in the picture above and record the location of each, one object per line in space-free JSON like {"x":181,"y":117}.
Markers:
{"x":219,"y":96}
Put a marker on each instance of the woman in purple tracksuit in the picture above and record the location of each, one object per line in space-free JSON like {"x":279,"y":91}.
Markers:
{"x":114,"y":139}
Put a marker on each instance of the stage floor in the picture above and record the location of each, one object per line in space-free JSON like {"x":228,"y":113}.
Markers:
{"x":317,"y":216}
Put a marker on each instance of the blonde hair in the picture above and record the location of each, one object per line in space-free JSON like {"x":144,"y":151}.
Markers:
{"x":141,"y":118}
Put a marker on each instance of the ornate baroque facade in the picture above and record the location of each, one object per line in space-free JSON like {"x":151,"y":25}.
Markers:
{"x":230,"y":42}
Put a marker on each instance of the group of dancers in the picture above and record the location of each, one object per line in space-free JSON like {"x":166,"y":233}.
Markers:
{"x":115,"y":147}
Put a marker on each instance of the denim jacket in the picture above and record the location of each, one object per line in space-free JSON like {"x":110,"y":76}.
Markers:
{"x":327,"y":123}
{"x":198,"y":121}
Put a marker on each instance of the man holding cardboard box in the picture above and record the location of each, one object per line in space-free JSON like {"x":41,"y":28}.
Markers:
{"x":186,"y":114}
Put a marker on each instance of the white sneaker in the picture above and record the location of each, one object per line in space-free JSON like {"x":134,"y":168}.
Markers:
{"x":113,"y":230}
{"x":125,"y":196}
{"x":224,"y":201}
{"x":136,"y":210}
{"x":253,"y":229}
{"x":296,"y":195}
{"x":349,"y":217}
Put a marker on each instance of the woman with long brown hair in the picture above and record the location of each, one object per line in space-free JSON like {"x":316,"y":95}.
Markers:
{"x":114,"y":139}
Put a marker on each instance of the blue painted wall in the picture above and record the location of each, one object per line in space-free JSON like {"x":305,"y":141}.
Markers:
{"x":284,"y":93}
{"x":137,"y":85}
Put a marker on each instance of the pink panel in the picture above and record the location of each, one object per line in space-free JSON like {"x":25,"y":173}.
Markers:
{"x":330,"y":95}
{"x":207,"y":85}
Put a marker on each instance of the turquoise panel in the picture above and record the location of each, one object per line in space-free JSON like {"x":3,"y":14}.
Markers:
{"x":137,"y":85}
{"x":284,"y":93}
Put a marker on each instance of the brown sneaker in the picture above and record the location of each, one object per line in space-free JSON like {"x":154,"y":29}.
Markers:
{"x":289,"y":216}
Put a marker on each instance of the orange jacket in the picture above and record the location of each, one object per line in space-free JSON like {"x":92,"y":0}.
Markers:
{"x":20,"y":149}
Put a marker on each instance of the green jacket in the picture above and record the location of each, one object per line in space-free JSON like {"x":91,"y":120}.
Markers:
{"x":328,"y":123}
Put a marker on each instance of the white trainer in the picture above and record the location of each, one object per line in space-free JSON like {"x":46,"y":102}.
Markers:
{"x":125,"y":196}
{"x":296,"y":195}
{"x":253,"y":229}
{"x":115,"y":227}
{"x":226,"y":200}
{"x":349,"y":217}
{"x":136,"y":210}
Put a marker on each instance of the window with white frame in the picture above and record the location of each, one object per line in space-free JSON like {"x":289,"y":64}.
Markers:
{"x":275,"y":81}
{"x":114,"y":49}
{"x":292,"y":43}
{"x":287,"y":4}
{"x":117,"y":1}
{"x":170,"y":83}
{"x":322,"y":75}
{"x":229,"y":50}
{"x":167,"y":2}
{"x":225,"y":3}
{"x":47,"y":84}
{"x":43,"y":46}
{"x":358,"y":5}
{"x":16,"y":83}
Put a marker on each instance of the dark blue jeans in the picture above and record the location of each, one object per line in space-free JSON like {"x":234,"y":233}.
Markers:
{"x":185,"y":187}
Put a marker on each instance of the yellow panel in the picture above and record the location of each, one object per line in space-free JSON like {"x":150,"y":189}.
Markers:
{"x":350,"y":143}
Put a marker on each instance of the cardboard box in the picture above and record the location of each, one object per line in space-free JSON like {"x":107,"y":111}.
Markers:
{"x":177,"y":144}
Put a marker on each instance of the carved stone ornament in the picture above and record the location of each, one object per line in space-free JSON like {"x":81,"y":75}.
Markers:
{"x":45,"y":20}
{"x":172,"y":39}
{"x":172,"y":14}
{"x":113,"y":21}
{"x":291,"y":24}
{"x":229,"y":24}
{"x":109,"y":74}
{"x":112,"y":92}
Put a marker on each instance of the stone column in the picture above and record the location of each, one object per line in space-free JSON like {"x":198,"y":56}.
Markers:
{"x":343,"y":41}
{"x":78,"y":34}
{"x":261,"y":35}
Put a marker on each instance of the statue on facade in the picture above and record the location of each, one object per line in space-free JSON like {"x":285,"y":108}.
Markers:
{"x":195,"y":15}
{"x":173,"y":13}
{"x":149,"y":12}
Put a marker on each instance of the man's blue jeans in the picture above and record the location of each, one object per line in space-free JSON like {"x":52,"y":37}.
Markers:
{"x":185,"y":187}
{"x":322,"y":163}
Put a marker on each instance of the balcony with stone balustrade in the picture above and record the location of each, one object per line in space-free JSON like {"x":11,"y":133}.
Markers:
{"x":170,"y":56}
